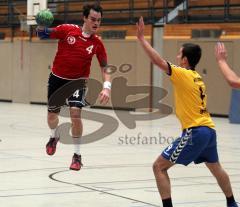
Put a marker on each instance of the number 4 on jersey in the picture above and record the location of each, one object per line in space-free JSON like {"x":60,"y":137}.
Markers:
{"x":76,"y":94}
{"x":89,"y":49}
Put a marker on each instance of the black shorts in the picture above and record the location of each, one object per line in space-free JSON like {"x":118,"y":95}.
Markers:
{"x":59,"y":93}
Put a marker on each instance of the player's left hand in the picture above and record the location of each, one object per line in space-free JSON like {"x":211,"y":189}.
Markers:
{"x":104,"y":96}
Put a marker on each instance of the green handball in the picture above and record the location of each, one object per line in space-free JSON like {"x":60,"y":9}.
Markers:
{"x":44,"y":18}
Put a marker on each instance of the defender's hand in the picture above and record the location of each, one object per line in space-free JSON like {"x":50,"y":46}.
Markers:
{"x":220,"y":52}
{"x":140,"y":29}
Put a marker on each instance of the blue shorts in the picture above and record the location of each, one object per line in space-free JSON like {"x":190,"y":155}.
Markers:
{"x":197,"y":144}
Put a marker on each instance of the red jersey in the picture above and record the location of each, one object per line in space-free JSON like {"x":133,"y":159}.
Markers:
{"x":75,"y":52}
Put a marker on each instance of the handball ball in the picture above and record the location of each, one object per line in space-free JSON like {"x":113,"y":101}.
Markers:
{"x":44,"y":18}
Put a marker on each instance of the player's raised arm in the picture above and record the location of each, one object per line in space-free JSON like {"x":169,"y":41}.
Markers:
{"x":230,"y":75}
{"x":150,"y":51}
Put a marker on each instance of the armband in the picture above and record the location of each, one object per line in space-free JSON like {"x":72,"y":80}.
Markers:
{"x":107,"y":85}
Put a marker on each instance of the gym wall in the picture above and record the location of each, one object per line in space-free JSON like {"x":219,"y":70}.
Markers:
{"x":25,"y":67}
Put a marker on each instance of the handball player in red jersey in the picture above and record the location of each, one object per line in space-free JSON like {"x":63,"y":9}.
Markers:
{"x":76,"y":48}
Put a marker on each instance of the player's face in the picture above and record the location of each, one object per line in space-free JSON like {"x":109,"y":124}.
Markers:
{"x":92,"y":23}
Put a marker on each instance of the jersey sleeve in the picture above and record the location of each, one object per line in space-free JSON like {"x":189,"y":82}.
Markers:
{"x":177,"y":74}
{"x":60,"y":32}
{"x":101,"y":54}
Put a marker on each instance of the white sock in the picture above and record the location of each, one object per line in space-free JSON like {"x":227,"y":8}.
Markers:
{"x":53,"y":133}
{"x":76,"y":145}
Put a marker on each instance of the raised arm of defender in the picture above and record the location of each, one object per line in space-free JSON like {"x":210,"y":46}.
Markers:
{"x":221,"y":56}
{"x":151,"y":52}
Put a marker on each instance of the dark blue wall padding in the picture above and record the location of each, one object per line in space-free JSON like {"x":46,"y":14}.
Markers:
{"x":234,"y":114}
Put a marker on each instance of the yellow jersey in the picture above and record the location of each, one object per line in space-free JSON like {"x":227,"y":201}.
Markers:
{"x":190,"y":97}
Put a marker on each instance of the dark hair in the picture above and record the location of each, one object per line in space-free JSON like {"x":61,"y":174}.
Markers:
{"x":87,"y":7}
{"x":193,"y":54}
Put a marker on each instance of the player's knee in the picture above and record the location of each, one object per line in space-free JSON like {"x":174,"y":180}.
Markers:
{"x":214,"y":167}
{"x":75,"y":115}
{"x":75,"y":112}
{"x":52,"y":116}
{"x":217,"y":170}
{"x":157,"y":166}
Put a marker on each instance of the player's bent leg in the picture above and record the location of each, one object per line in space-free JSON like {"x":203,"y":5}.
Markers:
{"x":183,"y":150}
{"x":76,"y":102}
{"x":222,"y":177}
{"x":160,"y":167}
{"x":223,"y":181}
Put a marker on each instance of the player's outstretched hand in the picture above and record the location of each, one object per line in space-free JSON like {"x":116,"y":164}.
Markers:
{"x":220,"y":52}
{"x":104,"y":96}
{"x":140,"y":29}
{"x":43,"y":32}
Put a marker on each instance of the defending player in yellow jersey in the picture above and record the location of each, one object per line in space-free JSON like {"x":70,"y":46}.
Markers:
{"x":198,"y":141}
{"x":190,"y":95}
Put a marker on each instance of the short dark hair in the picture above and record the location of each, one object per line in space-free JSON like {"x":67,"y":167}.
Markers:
{"x":95,"y":6}
{"x":193,"y":54}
